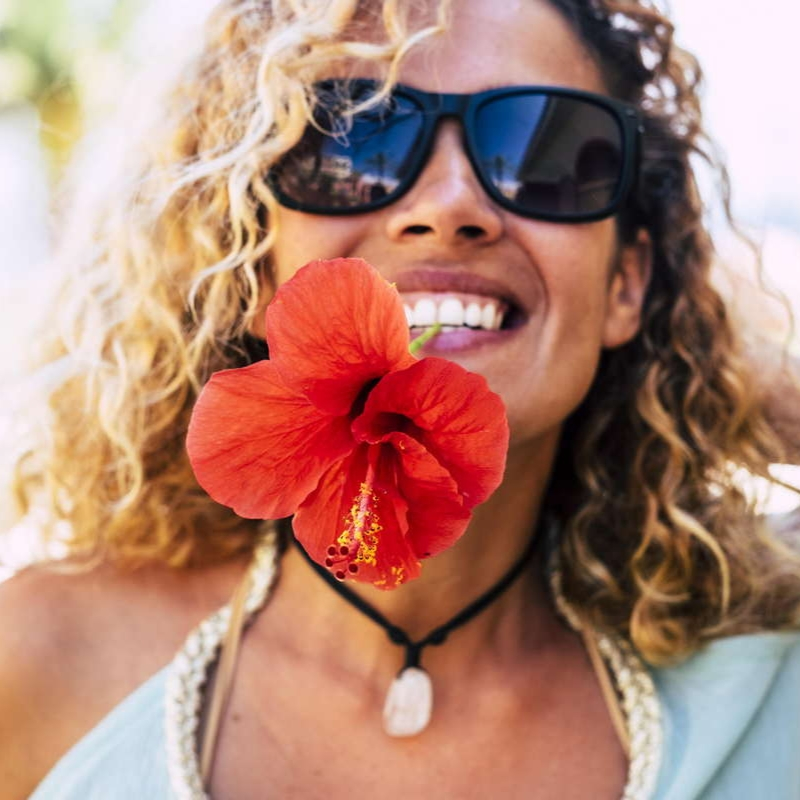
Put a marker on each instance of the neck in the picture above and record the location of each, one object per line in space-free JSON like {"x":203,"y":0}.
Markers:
{"x":498,"y":535}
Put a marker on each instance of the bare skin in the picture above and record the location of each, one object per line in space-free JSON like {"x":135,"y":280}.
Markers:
{"x":73,"y":646}
{"x":518,"y":709}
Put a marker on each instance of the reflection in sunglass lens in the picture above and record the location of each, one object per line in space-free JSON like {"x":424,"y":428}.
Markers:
{"x":346,"y":165}
{"x":549,"y":154}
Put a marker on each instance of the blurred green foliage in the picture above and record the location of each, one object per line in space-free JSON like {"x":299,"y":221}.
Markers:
{"x":40,"y":41}
{"x":50,"y":51}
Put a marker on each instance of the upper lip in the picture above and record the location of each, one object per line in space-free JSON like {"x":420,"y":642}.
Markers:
{"x":454,"y":279}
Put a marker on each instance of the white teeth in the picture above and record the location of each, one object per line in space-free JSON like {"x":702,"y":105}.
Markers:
{"x":451,"y":312}
{"x":473,"y":316}
{"x":424,"y":313}
{"x":488,"y":318}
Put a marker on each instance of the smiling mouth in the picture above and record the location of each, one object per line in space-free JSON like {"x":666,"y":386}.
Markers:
{"x":460,"y":311}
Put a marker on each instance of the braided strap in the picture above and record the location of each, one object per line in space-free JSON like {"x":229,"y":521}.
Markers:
{"x":188,"y":674}
{"x":639,"y":701}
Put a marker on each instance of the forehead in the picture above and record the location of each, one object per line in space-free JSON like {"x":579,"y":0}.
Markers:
{"x":491,"y":43}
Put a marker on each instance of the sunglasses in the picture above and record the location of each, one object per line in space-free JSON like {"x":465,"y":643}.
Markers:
{"x":547,"y":153}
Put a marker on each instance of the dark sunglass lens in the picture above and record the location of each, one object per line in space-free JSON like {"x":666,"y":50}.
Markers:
{"x":350,"y":165}
{"x":550,"y":154}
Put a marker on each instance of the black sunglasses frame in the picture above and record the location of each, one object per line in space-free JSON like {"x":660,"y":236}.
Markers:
{"x":435,"y":107}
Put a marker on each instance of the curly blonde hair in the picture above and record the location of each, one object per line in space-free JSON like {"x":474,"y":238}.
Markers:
{"x":657,"y":541}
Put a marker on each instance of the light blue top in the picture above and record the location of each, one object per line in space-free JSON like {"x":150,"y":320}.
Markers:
{"x":122,"y":758}
{"x":731,"y":717}
{"x":732,"y":721}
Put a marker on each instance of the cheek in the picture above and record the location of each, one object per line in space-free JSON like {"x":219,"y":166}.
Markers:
{"x":578,"y":289}
{"x":577,"y":264}
{"x":561,"y":372}
{"x":566,"y":339}
{"x":306,"y":237}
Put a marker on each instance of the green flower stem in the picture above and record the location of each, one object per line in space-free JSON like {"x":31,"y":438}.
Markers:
{"x":424,"y":338}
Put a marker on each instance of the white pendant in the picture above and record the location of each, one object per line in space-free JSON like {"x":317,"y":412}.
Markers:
{"x":409,"y":703}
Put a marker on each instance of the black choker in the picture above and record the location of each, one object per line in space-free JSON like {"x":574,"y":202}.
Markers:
{"x":410,"y":699}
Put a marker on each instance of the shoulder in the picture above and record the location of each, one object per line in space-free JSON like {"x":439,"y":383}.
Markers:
{"x":97,"y":614}
{"x":72,"y":646}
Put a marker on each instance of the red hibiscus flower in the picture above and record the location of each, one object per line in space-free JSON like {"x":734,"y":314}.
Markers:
{"x":381,"y":457}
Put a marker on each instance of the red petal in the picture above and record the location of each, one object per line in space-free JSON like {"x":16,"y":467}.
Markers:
{"x":452,"y":413}
{"x":369,"y":520}
{"x":437,"y":516}
{"x":335,"y":327}
{"x":257,"y":446}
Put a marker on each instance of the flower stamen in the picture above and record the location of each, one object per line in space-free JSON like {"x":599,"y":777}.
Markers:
{"x":358,"y":541}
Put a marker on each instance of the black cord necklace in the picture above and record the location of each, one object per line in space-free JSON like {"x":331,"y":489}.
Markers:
{"x":409,"y":702}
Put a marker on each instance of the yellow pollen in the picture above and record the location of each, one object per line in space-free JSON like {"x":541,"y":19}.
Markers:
{"x":362,"y":527}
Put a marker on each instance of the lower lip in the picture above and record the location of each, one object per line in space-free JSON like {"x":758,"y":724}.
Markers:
{"x":461,"y":340}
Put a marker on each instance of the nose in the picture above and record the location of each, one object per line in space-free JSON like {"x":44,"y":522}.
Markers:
{"x":446,"y":205}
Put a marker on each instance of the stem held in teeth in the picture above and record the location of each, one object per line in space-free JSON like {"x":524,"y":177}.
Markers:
{"x":423,"y":339}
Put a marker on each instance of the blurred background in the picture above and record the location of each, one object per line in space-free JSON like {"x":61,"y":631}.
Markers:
{"x":63,"y":63}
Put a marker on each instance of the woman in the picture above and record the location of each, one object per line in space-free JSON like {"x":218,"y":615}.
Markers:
{"x":628,"y":399}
